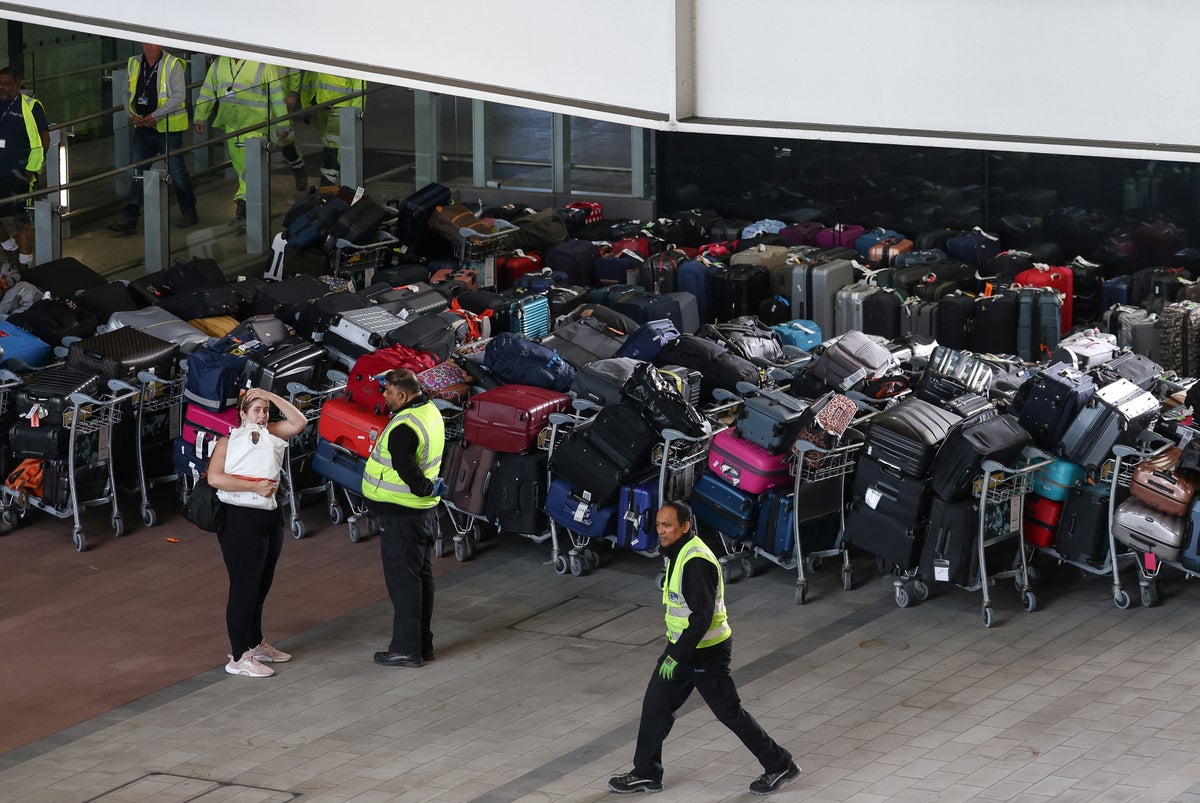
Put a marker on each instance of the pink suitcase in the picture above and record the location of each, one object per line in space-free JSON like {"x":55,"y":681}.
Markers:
{"x":202,"y":428}
{"x":747,"y":465}
{"x":842,"y":235}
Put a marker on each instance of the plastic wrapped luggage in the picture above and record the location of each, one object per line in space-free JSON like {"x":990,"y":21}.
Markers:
{"x":121,"y":353}
{"x":510,"y":418}
{"x":1139,"y":526}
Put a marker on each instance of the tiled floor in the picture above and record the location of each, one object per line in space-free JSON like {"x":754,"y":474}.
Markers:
{"x":112,"y":689}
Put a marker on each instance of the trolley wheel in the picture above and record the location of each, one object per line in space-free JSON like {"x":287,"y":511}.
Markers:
{"x":149,"y":517}
{"x":813,"y":563}
{"x":560,"y":565}
{"x":747,"y":566}
{"x":461,"y":552}
{"x":576,"y":566}
{"x":902,"y":598}
{"x":439,"y":547}
{"x":118,"y":525}
{"x":1029,"y":601}
{"x":660,"y":581}
{"x":1149,"y":596}
{"x":356,"y":532}
{"x":591,"y":559}
{"x":336,"y":515}
{"x":1122,"y":599}
{"x":297,"y":529}
{"x":80,"y":541}
{"x":801,"y":592}
{"x":847,"y":578}
{"x":10,"y":517}
{"x":987,"y":616}
{"x":920,"y":590}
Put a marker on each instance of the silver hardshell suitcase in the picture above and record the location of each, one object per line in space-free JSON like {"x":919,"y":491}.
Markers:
{"x":1137,"y":525}
{"x":365,"y":328}
{"x":848,"y":314}
{"x":816,"y":289}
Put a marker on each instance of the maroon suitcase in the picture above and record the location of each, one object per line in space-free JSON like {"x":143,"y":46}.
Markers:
{"x":467,"y":468}
{"x":509,"y":418}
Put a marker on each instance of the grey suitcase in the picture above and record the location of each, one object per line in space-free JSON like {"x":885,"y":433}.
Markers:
{"x":919,"y":317}
{"x":1086,"y":349}
{"x":815,"y":291}
{"x":1117,"y":411}
{"x":365,"y":329}
{"x":771,"y":420}
{"x":163,"y":325}
{"x":848,"y":313}
{"x":1139,"y":526}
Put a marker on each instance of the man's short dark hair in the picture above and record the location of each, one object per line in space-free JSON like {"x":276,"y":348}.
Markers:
{"x":15,"y":72}
{"x":405,"y":380}
{"x":683,"y":511}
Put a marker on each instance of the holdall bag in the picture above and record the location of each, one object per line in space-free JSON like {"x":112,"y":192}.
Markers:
{"x":576,"y":510}
{"x":603,"y":382}
{"x":510,"y":418}
{"x":203,"y":508}
{"x":363,"y":384}
{"x":265,"y":329}
{"x":202,"y":302}
{"x":1143,"y":372}
{"x":511,"y":358}
{"x":585,"y":341}
{"x":28,"y":441}
{"x":213,"y":378}
{"x":194,"y":274}
{"x":745,"y":337}
{"x":308,"y":221}
{"x":52,"y":319}
{"x":1139,"y":526}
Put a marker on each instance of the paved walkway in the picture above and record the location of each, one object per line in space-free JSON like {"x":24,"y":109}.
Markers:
{"x":536,"y":688}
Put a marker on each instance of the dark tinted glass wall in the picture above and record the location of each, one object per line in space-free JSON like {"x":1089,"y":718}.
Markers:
{"x":1092,"y":207}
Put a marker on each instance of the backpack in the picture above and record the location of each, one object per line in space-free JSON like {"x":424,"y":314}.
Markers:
{"x":513,"y":359}
{"x":311,"y":218}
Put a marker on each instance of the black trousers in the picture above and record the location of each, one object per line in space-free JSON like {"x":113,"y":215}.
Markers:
{"x":710,"y":676}
{"x":251,"y":542}
{"x":406,"y":545}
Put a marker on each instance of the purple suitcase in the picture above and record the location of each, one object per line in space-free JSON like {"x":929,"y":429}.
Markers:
{"x":841,"y":235}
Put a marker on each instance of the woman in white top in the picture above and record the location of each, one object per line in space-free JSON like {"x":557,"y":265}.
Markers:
{"x":244,"y":468}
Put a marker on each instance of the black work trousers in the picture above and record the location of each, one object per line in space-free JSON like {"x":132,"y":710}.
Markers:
{"x":709,"y":675}
{"x":406,"y":544}
{"x":251,"y":541}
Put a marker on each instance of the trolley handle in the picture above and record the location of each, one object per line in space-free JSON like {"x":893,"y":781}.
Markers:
{"x":294,"y":389}
{"x":584,"y":406}
{"x":148,"y":378}
{"x":115,"y":385}
{"x":445,"y":406}
{"x":1039,"y":457}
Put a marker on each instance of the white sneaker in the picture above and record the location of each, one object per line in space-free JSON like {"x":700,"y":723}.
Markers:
{"x":248,"y":666}
{"x":265,"y":652}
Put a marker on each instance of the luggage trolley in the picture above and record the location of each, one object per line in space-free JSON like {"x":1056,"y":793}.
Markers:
{"x":1001,"y":492}
{"x":157,"y":399}
{"x":465,"y":525}
{"x":1148,"y":564}
{"x":359,"y":262}
{"x":478,"y":252}
{"x":302,"y":447}
{"x":86,"y":416}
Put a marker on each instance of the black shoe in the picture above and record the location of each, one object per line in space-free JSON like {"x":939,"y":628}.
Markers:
{"x":188,"y":220}
{"x":239,"y":213}
{"x":300,"y":176}
{"x":123,"y":227}
{"x":427,"y":655}
{"x":396,"y":659}
{"x":769,"y":782}
{"x":629,"y":783}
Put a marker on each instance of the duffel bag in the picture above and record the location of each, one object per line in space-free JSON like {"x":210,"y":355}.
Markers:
{"x":513,"y":359}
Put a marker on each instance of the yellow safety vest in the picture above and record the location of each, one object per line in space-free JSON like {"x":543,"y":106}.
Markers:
{"x":246,"y":93}
{"x":320,"y":87}
{"x":175,"y":121}
{"x":678,"y":611}
{"x":380,"y":481}
{"x":37,"y":154}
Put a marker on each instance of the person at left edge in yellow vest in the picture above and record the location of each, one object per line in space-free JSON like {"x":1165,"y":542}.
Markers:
{"x":24,"y":142}
{"x":699,"y":647}
{"x":245,"y":94}
{"x":402,"y":487}
{"x":157,"y":117}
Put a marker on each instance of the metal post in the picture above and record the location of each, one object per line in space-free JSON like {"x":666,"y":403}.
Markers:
{"x":197,"y":70}
{"x":121,"y":131}
{"x":560,"y":152}
{"x":481,"y":147}
{"x":425,"y":136}
{"x":47,"y":231}
{"x":639,"y":159}
{"x":154,"y":216}
{"x":258,"y":198}
{"x":350,"y":145}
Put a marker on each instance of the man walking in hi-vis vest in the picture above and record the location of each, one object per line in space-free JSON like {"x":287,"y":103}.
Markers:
{"x":697,"y":657}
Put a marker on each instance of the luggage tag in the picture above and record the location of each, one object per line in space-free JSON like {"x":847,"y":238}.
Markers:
{"x":872,"y":497}
{"x":35,"y":415}
{"x":941,"y":570}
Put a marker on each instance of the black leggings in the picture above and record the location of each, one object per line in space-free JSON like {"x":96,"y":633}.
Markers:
{"x":251,"y":541}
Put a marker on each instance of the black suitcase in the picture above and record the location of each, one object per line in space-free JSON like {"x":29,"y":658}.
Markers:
{"x":895,"y":541}
{"x":564,"y":299}
{"x":49,"y":390}
{"x":246,"y":288}
{"x":412,"y":226}
{"x":203,"y":302}
{"x":314,"y":318}
{"x":881,"y":314}
{"x":437,"y":333}
{"x":150,"y":289}
{"x":955,"y":316}
{"x":578,"y":461}
{"x":360,"y":222}
{"x":623,"y":436}
{"x":481,"y":301}
{"x":887,"y":491}
{"x":103,"y":301}
{"x":409,"y":273}
{"x":907,"y":436}
{"x":516,"y":494}
{"x":284,"y":299}
{"x":43,"y":441}
{"x":738,"y":290}
{"x":63,"y":277}
{"x":1082,"y":534}
{"x":602,"y":381}
{"x":958,"y":461}
{"x":951,"y":549}
{"x":289,"y":360}
{"x":644,"y":307}
{"x":195,"y":274}
{"x":407,"y":300}
{"x":1141,"y":371}
{"x":994,"y":328}
{"x":121,"y":353}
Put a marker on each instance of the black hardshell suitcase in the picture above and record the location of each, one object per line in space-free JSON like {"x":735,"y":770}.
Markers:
{"x":564,"y":299}
{"x":412,"y":227}
{"x":958,"y":462}
{"x":121,"y":353}
{"x":885,"y":490}
{"x":994,"y":329}
{"x":290,"y":360}
{"x":737,"y":290}
{"x":908,"y":435}
{"x":516,"y":494}
{"x":284,"y":299}
{"x":882,"y":314}
{"x":314,"y":318}
{"x":408,"y":300}
{"x":50,"y":390}
{"x":955,"y":318}
{"x":63,"y":277}
{"x":1082,"y":533}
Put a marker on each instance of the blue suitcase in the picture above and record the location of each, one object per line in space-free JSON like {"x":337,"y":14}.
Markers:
{"x":1056,"y":480}
{"x":1114,"y":291}
{"x":340,"y":466}
{"x":185,"y":460}
{"x":647,"y":340}
{"x":802,"y":334}
{"x":542,"y":280}
{"x":575,"y":509}
{"x":1190,"y":557}
{"x":637,"y":506}
{"x":724,"y":508}
{"x":1057,"y":396}
{"x":21,"y":351}
{"x":527,"y":315}
{"x":695,"y":277}
{"x":617,"y":269}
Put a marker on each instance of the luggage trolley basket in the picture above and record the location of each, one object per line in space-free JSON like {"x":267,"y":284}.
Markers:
{"x":1001,"y":493}
{"x":91,"y":480}
{"x":301,"y":448}
{"x":359,"y":262}
{"x":9,"y":382}
{"x":478,"y":252}
{"x":158,"y":411}
{"x":1148,"y":564}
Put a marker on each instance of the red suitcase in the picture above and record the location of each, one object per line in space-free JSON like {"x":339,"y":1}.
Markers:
{"x":747,"y":465}
{"x":344,"y":423}
{"x":509,"y":418}
{"x":510,"y":267}
{"x":1041,"y":520}
{"x":362,"y":386}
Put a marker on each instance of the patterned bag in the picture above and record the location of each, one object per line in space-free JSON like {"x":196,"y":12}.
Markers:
{"x":826,"y":420}
{"x":446,"y":381}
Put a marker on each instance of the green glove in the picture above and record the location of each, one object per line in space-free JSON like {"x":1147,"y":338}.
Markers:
{"x":666,"y":670}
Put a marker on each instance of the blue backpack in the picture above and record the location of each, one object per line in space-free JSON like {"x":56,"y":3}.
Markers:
{"x":648,"y":339}
{"x":513,"y":359}
{"x":310,"y":219}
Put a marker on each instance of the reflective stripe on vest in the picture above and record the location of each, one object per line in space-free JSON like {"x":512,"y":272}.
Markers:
{"x":37,"y":154}
{"x":175,"y":121}
{"x":380,"y":481}
{"x":677,"y":610}
{"x":326,"y":87}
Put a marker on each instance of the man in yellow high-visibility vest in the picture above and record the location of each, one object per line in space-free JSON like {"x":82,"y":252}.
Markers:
{"x":24,"y":141}
{"x":699,"y":647}
{"x":322,"y":87}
